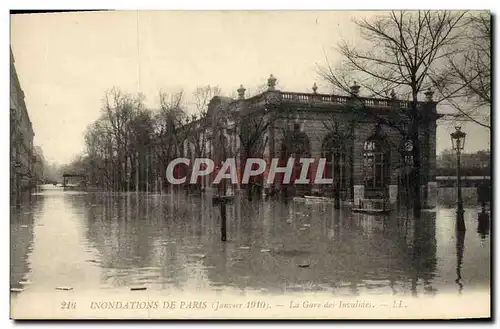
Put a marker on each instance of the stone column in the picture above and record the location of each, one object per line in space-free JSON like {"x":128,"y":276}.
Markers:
{"x":423,"y":195}
{"x":361,"y":131}
{"x":393,"y":194}
{"x":237,"y":156}
{"x":428,"y":195}
{"x":266,"y":187}
{"x":394,"y":175}
{"x":431,"y":200}
{"x":266,"y":155}
{"x":359,"y":193}
{"x":357,"y":164}
{"x":429,"y":184}
{"x":313,"y":169}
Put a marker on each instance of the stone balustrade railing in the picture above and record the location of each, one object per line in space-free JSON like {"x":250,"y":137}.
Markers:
{"x":334,"y":99}
{"x":309,"y":98}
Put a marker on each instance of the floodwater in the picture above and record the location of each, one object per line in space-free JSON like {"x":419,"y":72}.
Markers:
{"x":112,"y":242}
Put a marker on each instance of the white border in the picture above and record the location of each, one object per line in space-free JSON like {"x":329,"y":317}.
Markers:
{"x":185,"y":4}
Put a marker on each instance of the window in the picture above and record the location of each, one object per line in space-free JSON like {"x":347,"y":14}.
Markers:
{"x":336,"y":163}
{"x":376,"y":163}
{"x":335,"y":152}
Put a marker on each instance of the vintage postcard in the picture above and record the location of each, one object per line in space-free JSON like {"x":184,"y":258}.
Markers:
{"x":250,"y":165}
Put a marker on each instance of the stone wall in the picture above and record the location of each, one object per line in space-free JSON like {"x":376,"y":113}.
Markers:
{"x":318,"y":125}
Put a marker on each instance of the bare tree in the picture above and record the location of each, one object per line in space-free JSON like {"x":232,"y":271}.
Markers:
{"x":199,"y":133}
{"x":202,"y":97}
{"x":118,"y":111}
{"x":400,"y":51}
{"x":113,"y":141}
{"x":140,"y":130}
{"x":251,"y":129}
{"x":466,"y":84}
{"x":96,"y":148}
{"x":169,"y":121}
{"x":198,"y":129}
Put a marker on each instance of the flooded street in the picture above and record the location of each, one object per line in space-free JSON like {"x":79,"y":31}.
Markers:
{"x":120,"y":241}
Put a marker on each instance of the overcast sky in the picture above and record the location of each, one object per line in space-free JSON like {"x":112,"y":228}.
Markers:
{"x":66,"y":61}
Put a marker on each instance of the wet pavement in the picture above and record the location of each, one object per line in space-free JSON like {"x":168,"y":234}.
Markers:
{"x":123,"y":241}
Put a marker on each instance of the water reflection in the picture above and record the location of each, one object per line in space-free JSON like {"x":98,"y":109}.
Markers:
{"x":22,"y":224}
{"x":170,"y":242}
{"x":483,"y":224}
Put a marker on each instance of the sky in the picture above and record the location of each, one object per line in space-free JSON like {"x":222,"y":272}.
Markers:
{"x":67,"y":61}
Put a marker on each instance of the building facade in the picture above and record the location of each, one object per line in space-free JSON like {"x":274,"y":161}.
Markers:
{"x":363,"y":141}
{"x":22,"y":160}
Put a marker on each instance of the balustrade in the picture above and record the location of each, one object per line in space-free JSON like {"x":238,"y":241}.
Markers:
{"x":334,"y":99}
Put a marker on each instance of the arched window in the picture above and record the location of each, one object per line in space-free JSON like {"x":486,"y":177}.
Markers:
{"x":376,"y":163}
{"x":333,"y":150}
{"x":295,"y":144}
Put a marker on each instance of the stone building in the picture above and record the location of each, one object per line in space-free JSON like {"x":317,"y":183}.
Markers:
{"x":362,"y":140}
{"x":21,"y":139}
{"x":210,"y":136}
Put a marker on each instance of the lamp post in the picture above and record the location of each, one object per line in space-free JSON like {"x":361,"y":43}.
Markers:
{"x":483,"y":186}
{"x":458,"y":142}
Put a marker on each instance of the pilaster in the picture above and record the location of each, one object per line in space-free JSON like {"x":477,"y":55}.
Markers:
{"x":359,"y":193}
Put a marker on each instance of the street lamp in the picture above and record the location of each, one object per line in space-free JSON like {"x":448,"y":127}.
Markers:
{"x":458,"y":142}
{"x":483,"y":187}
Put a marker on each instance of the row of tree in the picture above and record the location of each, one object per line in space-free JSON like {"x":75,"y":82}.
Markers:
{"x":479,"y":160}
{"x":129,"y":146}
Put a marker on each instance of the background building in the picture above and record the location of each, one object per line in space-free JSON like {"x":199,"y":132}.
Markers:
{"x":22,"y":178}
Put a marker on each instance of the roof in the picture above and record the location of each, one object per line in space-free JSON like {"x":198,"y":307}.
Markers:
{"x":216,"y":101}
